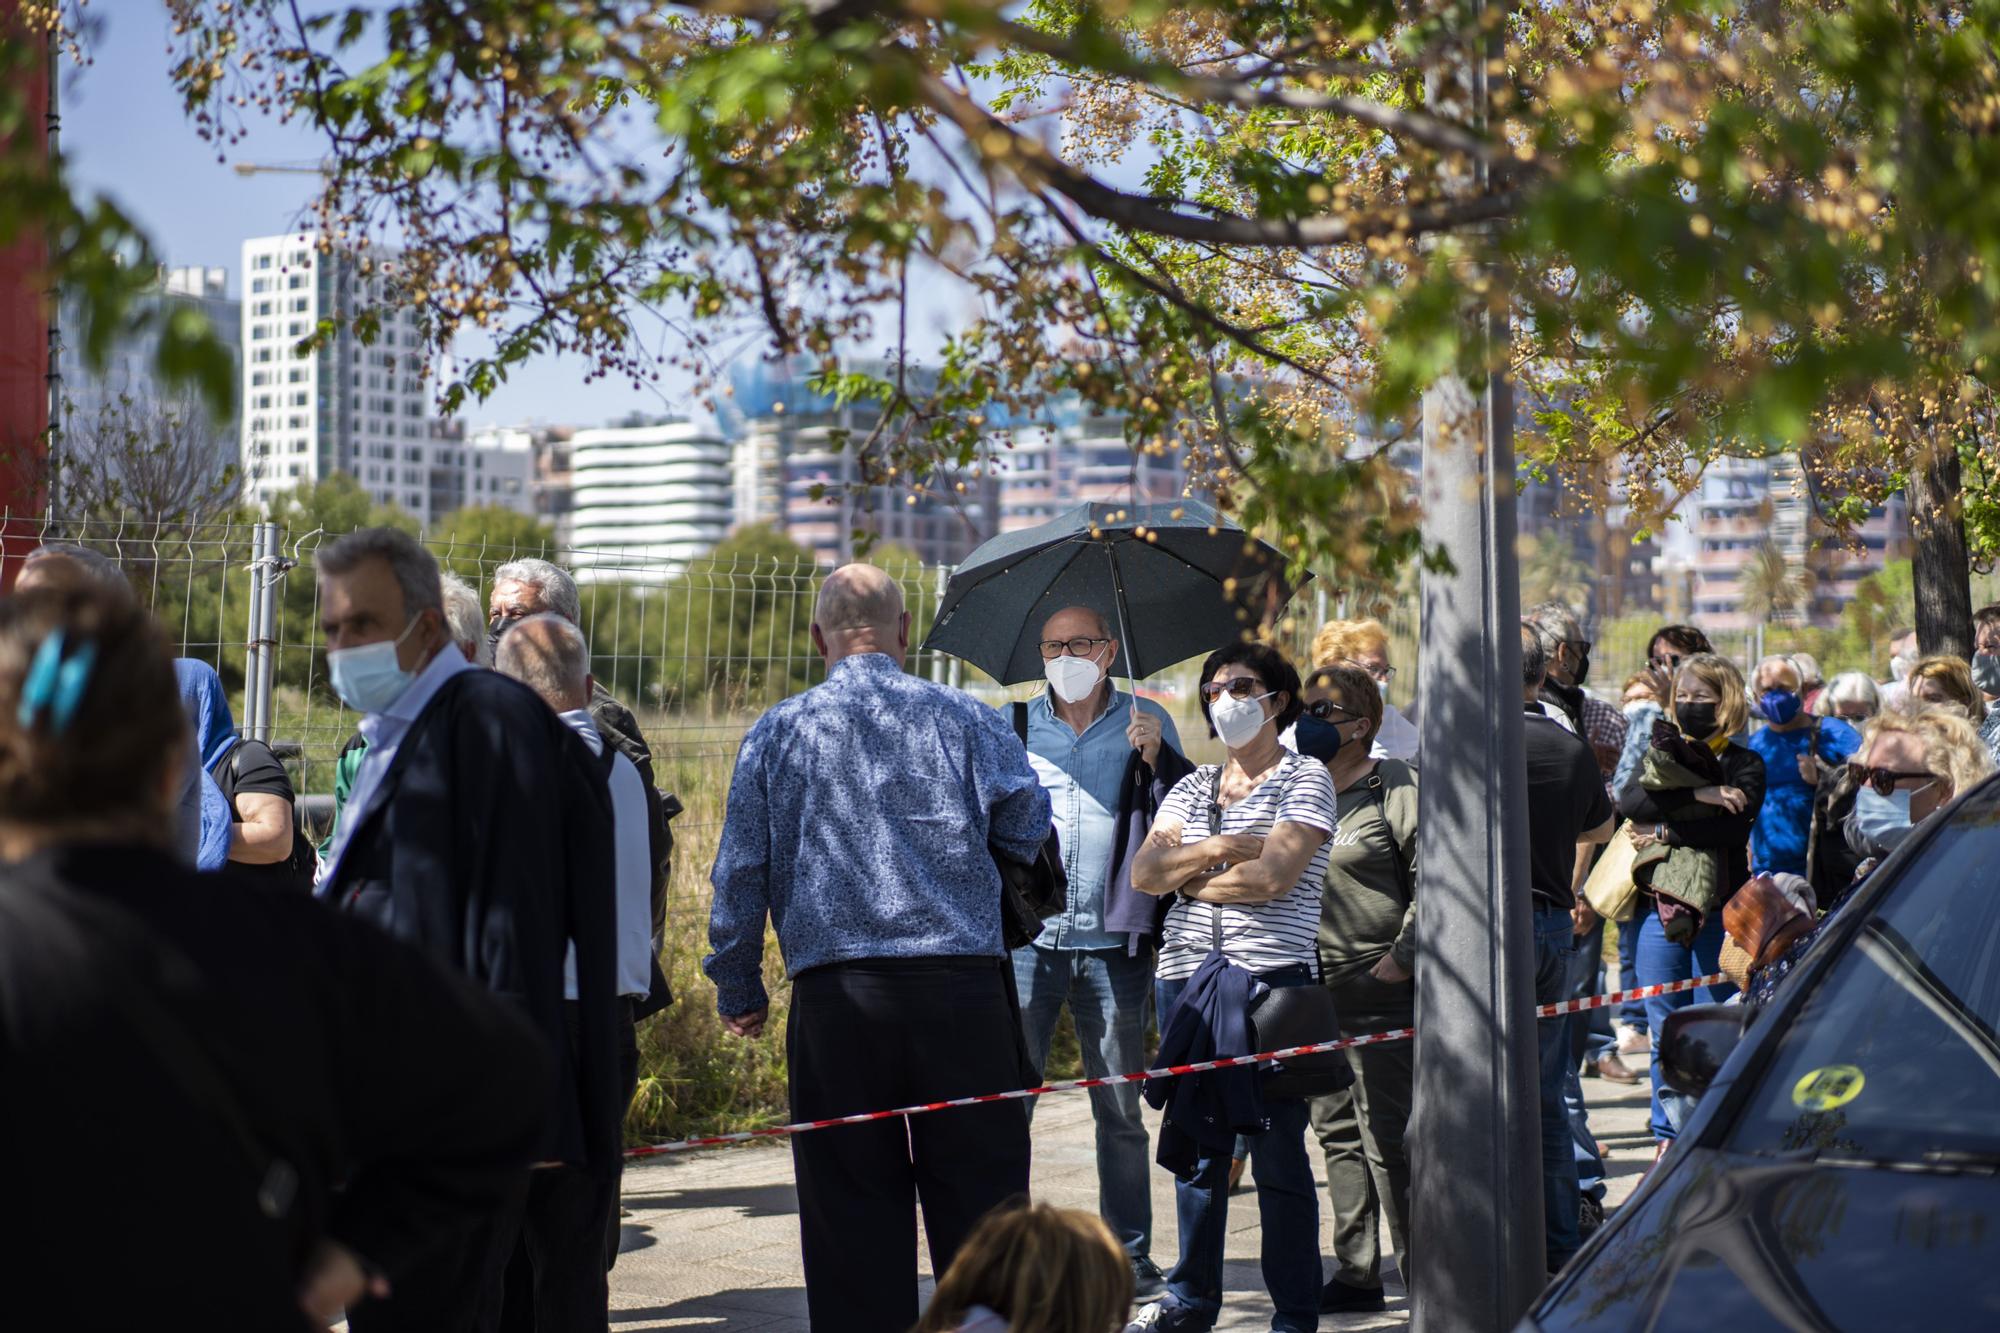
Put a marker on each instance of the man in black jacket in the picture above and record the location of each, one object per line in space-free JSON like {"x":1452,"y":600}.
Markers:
{"x":478,"y":830}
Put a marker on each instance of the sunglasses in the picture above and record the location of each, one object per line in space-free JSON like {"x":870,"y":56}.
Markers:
{"x":1324,"y":710}
{"x":1243,"y":687}
{"x":1884,"y":780}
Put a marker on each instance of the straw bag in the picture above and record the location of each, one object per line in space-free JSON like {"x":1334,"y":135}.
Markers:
{"x":1611,"y":891}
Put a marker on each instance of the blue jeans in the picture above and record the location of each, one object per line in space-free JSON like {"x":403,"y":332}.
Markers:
{"x":1661,"y":960}
{"x":1589,"y":1040}
{"x":1287,"y":1206}
{"x":1554,"y":943}
{"x":1107,"y":994}
{"x":1590,"y":1036}
{"x":1631,"y":1013}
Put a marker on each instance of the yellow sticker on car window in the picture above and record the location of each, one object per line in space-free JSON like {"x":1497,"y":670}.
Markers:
{"x":1828,"y":1089}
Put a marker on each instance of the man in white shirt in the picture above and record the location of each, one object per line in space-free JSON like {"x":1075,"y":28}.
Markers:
{"x":548,"y":654}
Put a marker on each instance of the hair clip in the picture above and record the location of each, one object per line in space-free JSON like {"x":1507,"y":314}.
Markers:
{"x":73,"y":680}
{"x":55,"y":684}
{"x":40,"y":683}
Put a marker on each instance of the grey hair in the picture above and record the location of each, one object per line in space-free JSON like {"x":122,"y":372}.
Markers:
{"x":556,"y":667}
{"x":553,"y":582}
{"x":416,"y":570}
{"x":1536,"y":650}
{"x":466,"y":619}
{"x":98,"y":567}
{"x":1809,"y":672}
{"x":1849,"y":687}
{"x":1784,"y":660}
{"x":1555,"y":620}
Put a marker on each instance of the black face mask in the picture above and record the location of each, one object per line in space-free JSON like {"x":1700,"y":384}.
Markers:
{"x":1697,"y":720}
{"x":1317,"y":739}
{"x":494,"y":631}
{"x":1582,"y":669}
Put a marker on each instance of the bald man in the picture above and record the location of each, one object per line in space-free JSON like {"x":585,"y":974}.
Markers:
{"x":559,"y":1277}
{"x":863,"y":820}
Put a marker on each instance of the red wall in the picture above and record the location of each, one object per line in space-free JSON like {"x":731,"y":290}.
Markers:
{"x":24,"y":363}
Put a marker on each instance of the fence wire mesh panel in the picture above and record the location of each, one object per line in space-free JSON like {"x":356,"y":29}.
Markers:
{"x":697,"y":649}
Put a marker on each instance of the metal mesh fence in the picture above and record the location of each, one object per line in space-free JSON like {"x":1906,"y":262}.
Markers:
{"x":697,"y":649}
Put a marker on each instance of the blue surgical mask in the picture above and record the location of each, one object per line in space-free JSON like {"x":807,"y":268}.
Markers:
{"x":1882,"y":821}
{"x":368,"y":679}
{"x":1780,"y":706}
{"x":1317,"y":739}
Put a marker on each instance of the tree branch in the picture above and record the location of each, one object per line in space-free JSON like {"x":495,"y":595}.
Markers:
{"x":998,"y":142}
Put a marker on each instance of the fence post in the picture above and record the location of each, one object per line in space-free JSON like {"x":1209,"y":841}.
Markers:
{"x":940,"y":667}
{"x":260,"y":679}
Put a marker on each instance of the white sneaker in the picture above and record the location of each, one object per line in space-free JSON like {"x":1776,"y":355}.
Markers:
{"x":1633,"y":1041}
{"x":1148,"y":1320}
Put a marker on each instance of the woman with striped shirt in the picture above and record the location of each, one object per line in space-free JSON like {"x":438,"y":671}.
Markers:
{"x":1259,"y":876}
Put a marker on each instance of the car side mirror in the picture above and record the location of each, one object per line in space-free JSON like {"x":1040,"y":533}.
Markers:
{"x":1696,"y":1041}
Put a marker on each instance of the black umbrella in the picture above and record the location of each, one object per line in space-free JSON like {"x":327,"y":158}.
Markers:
{"x":1177,"y":580}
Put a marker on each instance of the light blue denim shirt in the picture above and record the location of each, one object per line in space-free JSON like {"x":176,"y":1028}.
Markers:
{"x":1082,"y":775}
{"x":859,"y":822}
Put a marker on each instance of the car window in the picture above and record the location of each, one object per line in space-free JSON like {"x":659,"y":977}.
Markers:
{"x":1894,"y":1055}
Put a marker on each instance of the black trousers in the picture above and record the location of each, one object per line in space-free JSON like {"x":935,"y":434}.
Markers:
{"x":881,"y":1033}
{"x":457,"y":1288}
{"x":557,"y":1281}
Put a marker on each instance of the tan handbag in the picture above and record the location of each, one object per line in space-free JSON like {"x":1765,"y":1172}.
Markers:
{"x":1611,"y":891}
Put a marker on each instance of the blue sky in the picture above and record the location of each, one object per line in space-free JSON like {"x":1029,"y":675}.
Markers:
{"x":124,"y":135}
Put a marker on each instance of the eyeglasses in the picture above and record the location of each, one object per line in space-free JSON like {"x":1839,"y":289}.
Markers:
{"x":1379,"y":673}
{"x":1884,"y":780}
{"x":1324,"y":709}
{"x":1243,"y":687}
{"x":1054,"y":648}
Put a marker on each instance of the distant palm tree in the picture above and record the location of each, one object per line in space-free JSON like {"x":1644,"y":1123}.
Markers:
{"x":1770,"y":590}
{"x":1551,"y":571}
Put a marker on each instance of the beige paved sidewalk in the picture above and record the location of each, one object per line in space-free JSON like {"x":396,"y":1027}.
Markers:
{"x":712,"y":1242}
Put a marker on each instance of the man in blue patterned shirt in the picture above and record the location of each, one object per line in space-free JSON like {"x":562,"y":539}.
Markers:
{"x":862,"y":821}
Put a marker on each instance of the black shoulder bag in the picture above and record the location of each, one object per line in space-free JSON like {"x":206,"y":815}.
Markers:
{"x":1289,"y":1016}
{"x":1030,"y":891}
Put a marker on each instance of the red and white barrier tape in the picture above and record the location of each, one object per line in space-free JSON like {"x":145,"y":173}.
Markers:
{"x":1557,"y":1010}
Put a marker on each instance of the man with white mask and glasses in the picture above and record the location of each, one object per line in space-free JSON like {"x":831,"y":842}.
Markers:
{"x":1106,"y":759}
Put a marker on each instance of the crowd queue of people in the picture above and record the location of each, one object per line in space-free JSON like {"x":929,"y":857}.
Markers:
{"x":440,"y":1149}
{"x":1195,"y":891}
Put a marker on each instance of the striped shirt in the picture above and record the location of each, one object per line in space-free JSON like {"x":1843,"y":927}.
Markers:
{"x":1258,"y":937}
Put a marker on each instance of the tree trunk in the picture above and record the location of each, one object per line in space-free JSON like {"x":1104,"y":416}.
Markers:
{"x":1942,"y":569}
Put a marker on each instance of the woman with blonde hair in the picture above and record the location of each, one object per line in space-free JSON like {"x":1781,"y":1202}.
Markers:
{"x":1944,"y":681}
{"x":1034,"y":1269}
{"x":1364,"y":644}
{"x":1692,"y":805}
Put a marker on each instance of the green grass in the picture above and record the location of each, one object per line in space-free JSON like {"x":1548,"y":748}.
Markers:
{"x":694,"y":1077}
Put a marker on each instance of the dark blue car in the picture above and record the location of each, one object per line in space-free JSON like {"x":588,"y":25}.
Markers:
{"x":1842,"y":1171}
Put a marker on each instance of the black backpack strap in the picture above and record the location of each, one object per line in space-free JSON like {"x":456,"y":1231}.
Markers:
{"x":1021,"y":721}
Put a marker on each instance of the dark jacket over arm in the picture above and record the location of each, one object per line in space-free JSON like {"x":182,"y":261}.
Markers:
{"x":488,"y":845}
{"x":1692,"y":823}
{"x":1126,"y":910}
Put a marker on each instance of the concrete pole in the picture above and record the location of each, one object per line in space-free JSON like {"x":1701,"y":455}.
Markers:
{"x":1475,"y":1137}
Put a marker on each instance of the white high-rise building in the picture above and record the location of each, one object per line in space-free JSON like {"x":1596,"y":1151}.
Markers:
{"x":364,"y":410}
{"x":647,"y":496}
{"x":496,"y":466}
